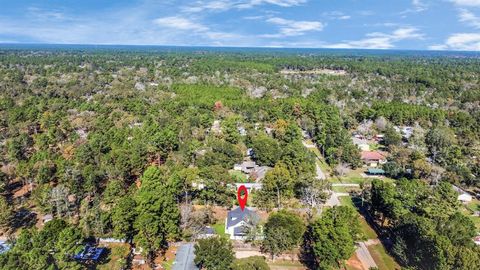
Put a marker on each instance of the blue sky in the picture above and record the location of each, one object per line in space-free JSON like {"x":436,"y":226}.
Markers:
{"x":373,"y":24}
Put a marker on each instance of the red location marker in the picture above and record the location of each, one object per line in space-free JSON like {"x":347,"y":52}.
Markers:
{"x":242,"y":201}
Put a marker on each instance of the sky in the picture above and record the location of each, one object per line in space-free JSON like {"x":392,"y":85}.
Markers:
{"x":365,"y":24}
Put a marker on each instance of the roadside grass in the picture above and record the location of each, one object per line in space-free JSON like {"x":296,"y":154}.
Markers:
{"x":219,"y":228}
{"x":366,"y":229}
{"x":168,"y":265}
{"x":346,"y":200}
{"x":381,"y":258}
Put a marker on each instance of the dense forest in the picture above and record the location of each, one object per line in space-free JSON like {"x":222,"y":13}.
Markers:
{"x":129,"y":144}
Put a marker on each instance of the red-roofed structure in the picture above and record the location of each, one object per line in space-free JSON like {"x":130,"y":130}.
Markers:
{"x":372,"y":158}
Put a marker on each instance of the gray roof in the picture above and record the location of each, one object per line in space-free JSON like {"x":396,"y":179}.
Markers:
{"x":237,"y":215}
{"x":239,"y":231}
{"x":184,"y":258}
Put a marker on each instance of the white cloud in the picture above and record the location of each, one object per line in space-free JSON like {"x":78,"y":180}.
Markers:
{"x":470,"y":3}
{"x":460,"y":42}
{"x":379,"y":40}
{"x":179,"y":23}
{"x":469,"y":18}
{"x":224,"y":5}
{"x":418,"y":5}
{"x":290,"y":28}
{"x":336,"y":15}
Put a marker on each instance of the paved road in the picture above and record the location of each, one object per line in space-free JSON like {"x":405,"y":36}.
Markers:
{"x":320,"y":173}
{"x":333,"y":200}
{"x":364,"y":256}
{"x":184,"y":258}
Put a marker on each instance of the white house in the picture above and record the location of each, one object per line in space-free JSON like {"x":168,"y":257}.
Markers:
{"x":465,"y":198}
{"x":237,"y":220}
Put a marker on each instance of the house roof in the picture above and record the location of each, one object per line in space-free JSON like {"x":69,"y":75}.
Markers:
{"x":372,"y":155}
{"x":237,"y":215}
{"x":375,"y":171}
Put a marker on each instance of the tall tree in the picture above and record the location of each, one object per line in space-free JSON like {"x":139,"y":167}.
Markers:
{"x":214,"y":253}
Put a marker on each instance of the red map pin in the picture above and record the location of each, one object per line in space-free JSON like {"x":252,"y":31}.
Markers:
{"x":242,"y":201}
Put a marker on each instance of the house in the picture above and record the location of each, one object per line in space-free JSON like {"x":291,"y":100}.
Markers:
{"x":249,"y":186}
{"x":206,"y":232}
{"x":90,"y":253}
{"x":361,"y":143}
{"x":465,"y":198}
{"x":237,"y":220}
{"x":246,"y":166}
{"x":46,"y":218}
{"x":242,"y":131}
{"x":138,"y":258}
{"x":4,"y":247}
{"x":372,"y":158}
{"x":476,"y":240}
{"x":375,"y":171}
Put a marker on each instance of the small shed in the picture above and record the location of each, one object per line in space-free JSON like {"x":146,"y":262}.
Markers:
{"x":375,"y":171}
{"x":465,"y":198}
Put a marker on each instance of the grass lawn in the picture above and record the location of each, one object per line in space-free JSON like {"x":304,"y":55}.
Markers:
{"x":167,"y":265}
{"x":117,"y":258}
{"x":219,"y":228}
{"x":476,"y":220}
{"x":381,"y":257}
{"x":366,"y":229}
{"x":346,"y":200}
{"x":281,"y":264}
{"x":474,"y":205}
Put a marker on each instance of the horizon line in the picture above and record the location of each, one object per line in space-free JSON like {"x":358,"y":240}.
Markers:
{"x":228,"y":46}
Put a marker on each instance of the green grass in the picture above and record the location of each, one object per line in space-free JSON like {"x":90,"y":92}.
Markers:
{"x":346,"y":200}
{"x":167,"y":265}
{"x":281,"y":264}
{"x":381,"y":258}
{"x":474,"y":205}
{"x":117,"y":258}
{"x":476,"y":221}
{"x":366,"y":229}
{"x":238,"y":176}
{"x":219,"y":228}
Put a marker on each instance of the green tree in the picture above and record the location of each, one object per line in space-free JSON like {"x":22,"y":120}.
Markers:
{"x":330,"y":239}
{"x":266,"y":150}
{"x":158,"y":216}
{"x":6,"y":213}
{"x":215,"y":253}
{"x":283,"y":232}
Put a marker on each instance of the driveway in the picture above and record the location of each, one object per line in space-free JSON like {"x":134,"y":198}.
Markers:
{"x":364,"y":256}
{"x":184,"y":258}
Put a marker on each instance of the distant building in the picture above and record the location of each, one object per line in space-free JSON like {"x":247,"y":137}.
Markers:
{"x":242,"y":131}
{"x":249,"y":186}
{"x":4,"y":247}
{"x":237,"y":220}
{"x":465,"y":198}
{"x":46,"y":218}
{"x":476,"y":240}
{"x":361,"y":143}
{"x":375,"y":171}
{"x":372,"y":158}
{"x":252,"y":169}
{"x":207,"y":232}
